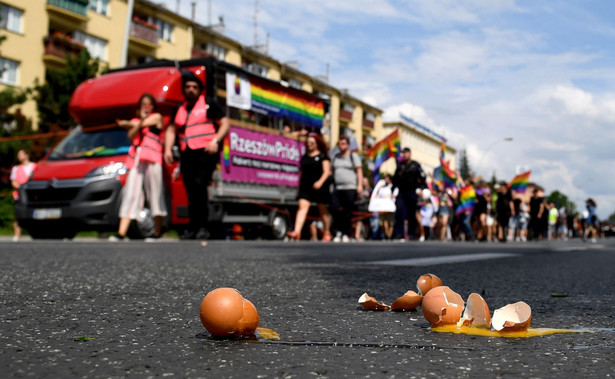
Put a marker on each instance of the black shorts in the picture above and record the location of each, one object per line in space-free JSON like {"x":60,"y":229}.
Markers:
{"x":320,"y":196}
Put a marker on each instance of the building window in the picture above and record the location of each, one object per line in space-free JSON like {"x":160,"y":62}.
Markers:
{"x":348,"y":107}
{"x":10,"y":18}
{"x":96,"y":47}
{"x":217,"y":51}
{"x":165,"y":30}
{"x":292,"y":83}
{"x":99,"y":6}
{"x":370,"y":117}
{"x":256,"y":68}
{"x":9,"y":70}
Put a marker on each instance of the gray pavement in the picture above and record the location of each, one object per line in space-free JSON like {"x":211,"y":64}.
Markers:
{"x":139,"y":304}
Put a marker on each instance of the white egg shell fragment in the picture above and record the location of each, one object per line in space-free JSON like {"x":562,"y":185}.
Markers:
{"x":512,"y":317}
{"x":476,"y":313}
{"x":370,"y":303}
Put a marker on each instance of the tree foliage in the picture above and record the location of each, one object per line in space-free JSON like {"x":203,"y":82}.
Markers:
{"x":464,"y":165}
{"x":54,"y":95}
{"x":561,"y":200}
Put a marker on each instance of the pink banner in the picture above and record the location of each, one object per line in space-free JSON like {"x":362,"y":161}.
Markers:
{"x":254,"y":157}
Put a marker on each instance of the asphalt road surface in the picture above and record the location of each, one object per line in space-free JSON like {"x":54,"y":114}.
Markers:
{"x":100,"y":309}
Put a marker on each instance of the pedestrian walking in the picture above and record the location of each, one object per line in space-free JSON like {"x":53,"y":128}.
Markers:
{"x":144,"y":182}
{"x":348,"y":188}
{"x":314,"y":180}
{"x":200,"y":124}
{"x":409,"y":178}
{"x":20,"y":174}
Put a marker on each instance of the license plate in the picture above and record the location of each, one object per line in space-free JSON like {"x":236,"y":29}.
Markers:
{"x":47,"y":214}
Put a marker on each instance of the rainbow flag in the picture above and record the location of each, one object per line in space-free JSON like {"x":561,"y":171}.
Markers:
{"x":467,"y":200}
{"x":226,"y":152}
{"x":389,"y":147}
{"x":520,"y":182}
{"x":293,"y":105}
{"x":442,"y":150}
{"x":443,"y":177}
{"x":443,"y":174}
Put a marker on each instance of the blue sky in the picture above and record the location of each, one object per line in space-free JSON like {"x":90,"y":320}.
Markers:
{"x":475,"y":71}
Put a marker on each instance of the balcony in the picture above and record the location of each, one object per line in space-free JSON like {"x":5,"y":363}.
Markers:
{"x":346,"y":115}
{"x":368,"y":123}
{"x":76,"y":10}
{"x":58,"y":47}
{"x":144,"y":34}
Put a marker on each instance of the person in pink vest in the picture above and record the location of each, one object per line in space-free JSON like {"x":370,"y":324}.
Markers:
{"x":199,"y":125}
{"x":19,"y":175}
{"x":144,"y":163}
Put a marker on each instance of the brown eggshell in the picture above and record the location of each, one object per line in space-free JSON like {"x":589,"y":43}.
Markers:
{"x":370,"y":303}
{"x":427,"y":282}
{"x":221,"y":310}
{"x":512,"y":317}
{"x":249,"y":322}
{"x":409,"y":301}
{"x":476,"y":313}
{"x":442,"y":306}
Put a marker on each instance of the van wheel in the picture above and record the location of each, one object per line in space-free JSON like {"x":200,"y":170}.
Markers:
{"x":278,"y":226}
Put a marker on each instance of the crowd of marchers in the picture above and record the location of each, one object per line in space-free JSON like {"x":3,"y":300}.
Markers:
{"x":408,"y":204}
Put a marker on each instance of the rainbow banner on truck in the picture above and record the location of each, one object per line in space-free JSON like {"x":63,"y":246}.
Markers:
{"x":288,"y":103}
{"x":250,"y":156}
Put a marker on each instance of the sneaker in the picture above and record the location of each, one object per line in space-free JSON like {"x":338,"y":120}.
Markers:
{"x":338,"y":237}
{"x":422,"y":239}
{"x":345,"y":238}
{"x":15,"y":239}
{"x":187,"y":235}
{"x":326,"y":238}
{"x":202,"y":234}
{"x":116,"y":238}
{"x":594,"y":240}
{"x":153,"y":239}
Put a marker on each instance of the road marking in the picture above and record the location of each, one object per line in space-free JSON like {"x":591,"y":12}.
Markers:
{"x":444,"y":259}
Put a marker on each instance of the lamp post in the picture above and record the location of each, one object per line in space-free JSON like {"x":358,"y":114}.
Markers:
{"x":492,"y":144}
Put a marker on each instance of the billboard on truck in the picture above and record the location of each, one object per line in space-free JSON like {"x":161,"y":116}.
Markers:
{"x":80,"y":181}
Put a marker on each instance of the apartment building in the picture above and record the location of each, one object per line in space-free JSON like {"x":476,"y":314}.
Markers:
{"x":41,"y":33}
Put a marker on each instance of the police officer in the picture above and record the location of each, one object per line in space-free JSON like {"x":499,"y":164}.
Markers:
{"x":409,"y":178}
{"x":199,"y":124}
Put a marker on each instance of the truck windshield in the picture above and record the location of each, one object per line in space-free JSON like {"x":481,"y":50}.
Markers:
{"x":100,"y":143}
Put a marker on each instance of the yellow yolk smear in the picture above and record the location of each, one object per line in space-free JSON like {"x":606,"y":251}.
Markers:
{"x":531,"y":332}
{"x":267,"y":334}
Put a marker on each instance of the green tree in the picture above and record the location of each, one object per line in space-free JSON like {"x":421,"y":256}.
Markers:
{"x":561,"y":200}
{"x":54,"y":95}
{"x":464,"y":165}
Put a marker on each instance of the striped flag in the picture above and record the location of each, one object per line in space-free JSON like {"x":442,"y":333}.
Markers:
{"x":520,"y":182}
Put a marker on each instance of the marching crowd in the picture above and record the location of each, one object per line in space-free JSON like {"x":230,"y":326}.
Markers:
{"x":410,"y":205}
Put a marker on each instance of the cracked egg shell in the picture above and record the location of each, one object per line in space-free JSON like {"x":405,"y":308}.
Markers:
{"x":409,"y":301}
{"x":512,"y":317}
{"x":370,"y":303}
{"x":249,"y":321}
{"x":442,"y":306}
{"x":427,"y":282}
{"x":476,"y":313}
{"x":223,"y":313}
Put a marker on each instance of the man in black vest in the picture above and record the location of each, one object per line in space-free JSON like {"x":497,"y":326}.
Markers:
{"x":410,"y":179}
{"x":198,"y":157}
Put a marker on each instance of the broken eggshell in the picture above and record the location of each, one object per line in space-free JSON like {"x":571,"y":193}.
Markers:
{"x":409,"y":301}
{"x":370,"y":303}
{"x":442,"y":306}
{"x":476,"y":313}
{"x":512,"y":317}
{"x":224,"y":312}
{"x":427,"y":282}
